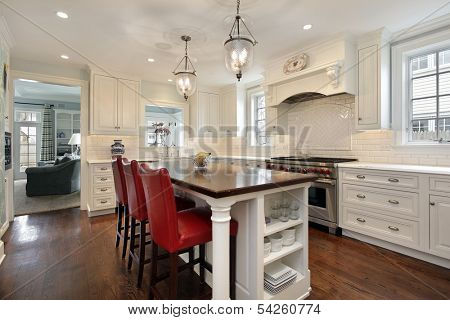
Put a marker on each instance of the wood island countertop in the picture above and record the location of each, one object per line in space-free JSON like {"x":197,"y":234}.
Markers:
{"x":222,"y":180}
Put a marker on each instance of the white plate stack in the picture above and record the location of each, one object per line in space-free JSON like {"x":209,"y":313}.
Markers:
{"x":277,"y":277}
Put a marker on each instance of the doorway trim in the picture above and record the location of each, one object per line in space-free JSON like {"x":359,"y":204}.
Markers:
{"x":84,"y":119}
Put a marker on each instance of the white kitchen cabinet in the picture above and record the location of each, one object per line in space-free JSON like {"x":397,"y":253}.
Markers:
{"x":114,"y":105}
{"x":401,"y":209}
{"x":128,"y":106}
{"x":439,"y":225}
{"x":102,"y":195}
{"x":373,"y":93}
{"x":228,"y":113}
{"x":205,"y":113}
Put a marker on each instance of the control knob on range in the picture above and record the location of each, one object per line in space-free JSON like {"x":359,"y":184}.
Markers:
{"x":305,"y":171}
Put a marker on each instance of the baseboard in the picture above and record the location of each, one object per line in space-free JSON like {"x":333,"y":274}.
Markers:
{"x":2,"y":252}
{"x":400,"y":249}
{"x":97,"y":213}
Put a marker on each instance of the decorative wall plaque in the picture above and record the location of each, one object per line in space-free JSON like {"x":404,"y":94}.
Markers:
{"x":295,"y":63}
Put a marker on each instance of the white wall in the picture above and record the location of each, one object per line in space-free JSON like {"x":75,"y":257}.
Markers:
{"x":57,"y":70}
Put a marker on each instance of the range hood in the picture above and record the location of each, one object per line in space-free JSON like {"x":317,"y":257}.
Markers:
{"x":330,"y":69}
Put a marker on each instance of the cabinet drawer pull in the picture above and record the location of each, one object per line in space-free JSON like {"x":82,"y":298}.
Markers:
{"x":360,"y":219}
{"x":103,"y":179}
{"x":103,"y":168}
{"x":393,"y":180}
{"x":103,"y":189}
{"x":104,"y":201}
{"x":360,"y":176}
{"x":432,"y":203}
{"x":393,"y":201}
{"x":361,"y":196}
{"x":393,"y":228}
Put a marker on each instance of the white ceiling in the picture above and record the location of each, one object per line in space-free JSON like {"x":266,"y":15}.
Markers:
{"x":120,"y":35}
{"x":46,"y":92}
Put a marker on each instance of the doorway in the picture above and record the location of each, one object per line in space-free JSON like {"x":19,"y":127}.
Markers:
{"x":47,"y":167}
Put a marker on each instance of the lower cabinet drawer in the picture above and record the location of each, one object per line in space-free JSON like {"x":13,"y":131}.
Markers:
{"x":440,"y":184}
{"x":103,"y":190}
{"x":100,"y":203}
{"x":400,"y":231}
{"x":390,"y":201}
{"x":102,"y":180}
{"x":385,"y":178}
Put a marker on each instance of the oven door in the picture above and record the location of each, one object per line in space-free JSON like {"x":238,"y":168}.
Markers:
{"x":322,"y":201}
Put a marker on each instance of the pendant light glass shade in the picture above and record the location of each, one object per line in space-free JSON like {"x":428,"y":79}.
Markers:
{"x":239,"y":55}
{"x":239,"y":47}
{"x":186,"y":83}
{"x":185,"y":77}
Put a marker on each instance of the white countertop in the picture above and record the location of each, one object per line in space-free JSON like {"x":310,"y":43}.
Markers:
{"x":396,"y":167}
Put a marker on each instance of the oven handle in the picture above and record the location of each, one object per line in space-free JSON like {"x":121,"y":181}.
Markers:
{"x":326,"y":181}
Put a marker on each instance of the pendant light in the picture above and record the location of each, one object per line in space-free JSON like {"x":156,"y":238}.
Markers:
{"x":185,"y":77}
{"x":239,"y":47}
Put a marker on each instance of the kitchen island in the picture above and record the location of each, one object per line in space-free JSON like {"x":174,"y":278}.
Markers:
{"x":246,"y":194}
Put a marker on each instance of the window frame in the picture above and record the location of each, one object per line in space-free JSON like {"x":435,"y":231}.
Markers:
{"x":401,"y":52}
{"x":252,"y":95}
{"x":411,"y":79}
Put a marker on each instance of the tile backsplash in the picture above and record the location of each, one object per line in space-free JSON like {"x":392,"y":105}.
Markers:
{"x":99,"y":146}
{"x":370,"y":146}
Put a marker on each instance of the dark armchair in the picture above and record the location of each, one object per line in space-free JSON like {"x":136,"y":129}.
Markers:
{"x":62,"y":178}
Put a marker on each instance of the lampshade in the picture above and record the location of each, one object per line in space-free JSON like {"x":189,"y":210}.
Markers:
{"x":239,"y":46}
{"x":185,"y":77}
{"x":238,"y":55}
{"x":75,"y":139}
{"x":186,"y":83}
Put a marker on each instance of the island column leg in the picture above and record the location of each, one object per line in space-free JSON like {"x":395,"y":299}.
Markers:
{"x":221,"y":249}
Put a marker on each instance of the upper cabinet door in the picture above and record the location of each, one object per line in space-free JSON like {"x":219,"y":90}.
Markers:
{"x":440,"y":226}
{"x":203,"y":112}
{"x":214,"y":111}
{"x":228,"y":110}
{"x":368,"y":93}
{"x":104,"y":104}
{"x":128,"y":106}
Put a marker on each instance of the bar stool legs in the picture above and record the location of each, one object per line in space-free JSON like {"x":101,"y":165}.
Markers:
{"x":118,"y":211}
{"x":126,"y":231}
{"x":123,"y":228}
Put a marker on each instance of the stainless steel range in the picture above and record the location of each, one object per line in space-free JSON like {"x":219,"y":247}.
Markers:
{"x":323,"y":192}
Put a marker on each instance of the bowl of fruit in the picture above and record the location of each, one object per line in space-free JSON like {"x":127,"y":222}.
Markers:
{"x":201,"y":160}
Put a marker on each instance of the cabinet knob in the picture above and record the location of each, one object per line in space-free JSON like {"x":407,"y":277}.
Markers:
{"x":361,"y":196}
{"x":360,"y":119}
{"x":103,"y":201}
{"x":360,"y":219}
{"x":432,"y":203}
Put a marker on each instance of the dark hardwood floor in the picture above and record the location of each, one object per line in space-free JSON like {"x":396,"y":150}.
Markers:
{"x":66,"y":255}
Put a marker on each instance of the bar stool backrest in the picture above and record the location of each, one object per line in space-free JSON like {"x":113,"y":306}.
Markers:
{"x":161,"y":207}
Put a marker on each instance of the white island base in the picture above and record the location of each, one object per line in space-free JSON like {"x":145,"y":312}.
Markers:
{"x":250,"y":211}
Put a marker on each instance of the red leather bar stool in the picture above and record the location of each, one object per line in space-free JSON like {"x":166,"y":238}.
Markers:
{"x":138,"y":212}
{"x":123,"y":220}
{"x":175,"y":231}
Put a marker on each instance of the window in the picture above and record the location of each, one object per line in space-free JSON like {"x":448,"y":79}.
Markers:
{"x":27,"y":116}
{"x":259,"y":107}
{"x":429,"y":112}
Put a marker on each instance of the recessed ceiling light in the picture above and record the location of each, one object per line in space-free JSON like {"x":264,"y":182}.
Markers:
{"x":307,"y":26}
{"x":65,"y":57}
{"x":62,"y":15}
{"x":27,"y":80}
{"x":151,"y":60}
{"x":170,"y":80}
